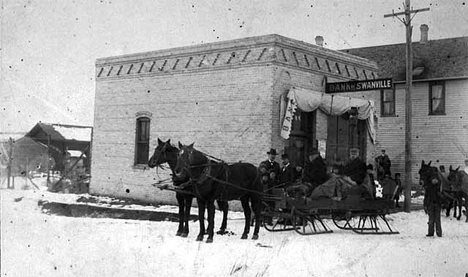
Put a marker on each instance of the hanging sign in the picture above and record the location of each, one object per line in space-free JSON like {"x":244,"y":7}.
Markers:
{"x":288,"y":117}
{"x":377,"y":84}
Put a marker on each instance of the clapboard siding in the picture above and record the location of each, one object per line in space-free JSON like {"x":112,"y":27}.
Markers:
{"x":434,"y":137}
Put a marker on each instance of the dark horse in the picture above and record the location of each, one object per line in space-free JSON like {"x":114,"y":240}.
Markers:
{"x":218,"y":180}
{"x":430,"y":175}
{"x":459,"y":182}
{"x":166,"y":153}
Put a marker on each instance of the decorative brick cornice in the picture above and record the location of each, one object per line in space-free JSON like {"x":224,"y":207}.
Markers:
{"x":237,"y":53}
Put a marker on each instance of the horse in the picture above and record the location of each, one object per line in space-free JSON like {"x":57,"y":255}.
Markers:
{"x":459,"y":181}
{"x":167,"y":153}
{"x":217,"y":180}
{"x":430,"y":175}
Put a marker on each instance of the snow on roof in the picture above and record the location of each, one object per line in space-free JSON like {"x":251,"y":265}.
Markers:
{"x":75,"y":153}
{"x":74,"y":132}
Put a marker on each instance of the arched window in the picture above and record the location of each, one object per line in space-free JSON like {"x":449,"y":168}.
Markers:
{"x":142,"y":140}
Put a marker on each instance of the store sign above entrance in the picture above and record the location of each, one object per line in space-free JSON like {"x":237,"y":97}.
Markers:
{"x":376,"y":84}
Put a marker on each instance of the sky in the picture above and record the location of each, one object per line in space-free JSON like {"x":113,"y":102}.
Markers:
{"x":49,"y":47}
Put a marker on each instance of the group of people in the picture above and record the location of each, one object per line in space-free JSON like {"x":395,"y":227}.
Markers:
{"x":274,"y":175}
{"x":314,"y":173}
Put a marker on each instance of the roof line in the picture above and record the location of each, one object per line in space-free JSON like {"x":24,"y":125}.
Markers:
{"x":432,"y":79}
{"x":66,"y":125}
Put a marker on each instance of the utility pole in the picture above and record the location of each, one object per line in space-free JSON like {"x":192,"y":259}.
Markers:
{"x":10,"y":185}
{"x":409,"y":80}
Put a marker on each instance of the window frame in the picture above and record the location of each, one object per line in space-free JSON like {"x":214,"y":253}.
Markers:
{"x":138,"y":143}
{"x":382,"y":103}
{"x":443,"y":98}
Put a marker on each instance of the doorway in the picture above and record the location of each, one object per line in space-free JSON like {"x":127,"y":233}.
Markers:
{"x":301,"y":138}
{"x":345,"y":132}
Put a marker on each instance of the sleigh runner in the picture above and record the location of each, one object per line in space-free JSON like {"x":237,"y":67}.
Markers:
{"x":306,"y":216}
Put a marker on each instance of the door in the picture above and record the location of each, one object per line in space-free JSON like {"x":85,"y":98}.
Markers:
{"x":301,"y":138}
{"x":343,"y":134}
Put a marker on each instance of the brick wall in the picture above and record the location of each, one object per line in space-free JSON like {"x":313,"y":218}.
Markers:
{"x":227,"y":113}
{"x":225,"y":97}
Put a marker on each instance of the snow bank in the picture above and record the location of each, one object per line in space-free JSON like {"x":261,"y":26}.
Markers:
{"x":36,"y":244}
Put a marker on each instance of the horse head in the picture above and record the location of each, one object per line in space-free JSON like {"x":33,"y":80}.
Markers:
{"x":190,"y":162}
{"x":428,"y":174}
{"x":454,"y":177}
{"x":160,"y":154}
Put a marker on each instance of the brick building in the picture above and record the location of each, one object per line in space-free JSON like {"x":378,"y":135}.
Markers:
{"x":439,"y":98}
{"x":227,"y":97}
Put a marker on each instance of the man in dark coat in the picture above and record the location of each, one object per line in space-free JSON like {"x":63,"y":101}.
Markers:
{"x":432,"y":201}
{"x":383,"y":164}
{"x":269,"y":170}
{"x":287,"y":174}
{"x":315,"y":170}
{"x":356,"y":169}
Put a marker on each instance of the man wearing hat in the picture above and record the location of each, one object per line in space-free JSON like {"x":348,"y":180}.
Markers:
{"x":315,"y":170}
{"x":356,"y":169}
{"x":287,"y":173}
{"x":270,"y":169}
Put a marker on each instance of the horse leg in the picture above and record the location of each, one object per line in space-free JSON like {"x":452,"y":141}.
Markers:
{"x":211,"y":214}
{"x":188,"y":207}
{"x":448,"y":207}
{"x":247,"y":214}
{"x":257,"y":208}
{"x":223,"y":206}
{"x":201,"y":218}
{"x":466,"y":208}
{"x":181,"y":202}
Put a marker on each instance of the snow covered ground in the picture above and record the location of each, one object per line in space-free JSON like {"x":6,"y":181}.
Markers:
{"x":37,"y":244}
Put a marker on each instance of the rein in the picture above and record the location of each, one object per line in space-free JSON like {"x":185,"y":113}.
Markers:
{"x":205,"y":174}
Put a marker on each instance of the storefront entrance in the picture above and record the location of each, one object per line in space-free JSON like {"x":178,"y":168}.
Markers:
{"x":344,"y":133}
{"x":301,"y":138}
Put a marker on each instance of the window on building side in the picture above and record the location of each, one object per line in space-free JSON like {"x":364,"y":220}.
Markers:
{"x":142,"y":140}
{"x":388,"y":102}
{"x":437,"y":98}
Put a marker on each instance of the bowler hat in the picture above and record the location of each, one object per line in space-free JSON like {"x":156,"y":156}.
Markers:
{"x":314,"y":151}
{"x":284,"y":156}
{"x":354,"y":151}
{"x":272,"y":152}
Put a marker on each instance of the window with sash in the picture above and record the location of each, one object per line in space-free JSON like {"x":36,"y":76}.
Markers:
{"x":437,"y":98}
{"x":142,"y":140}
{"x":388,"y":102}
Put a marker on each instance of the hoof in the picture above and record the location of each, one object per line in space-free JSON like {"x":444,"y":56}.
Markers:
{"x":199,"y":238}
{"x":221,"y":232}
{"x":184,"y":235}
{"x":255,"y":237}
{"x":208,"y":240}
{"x":178,"y":233}
{"x":244,"y":236}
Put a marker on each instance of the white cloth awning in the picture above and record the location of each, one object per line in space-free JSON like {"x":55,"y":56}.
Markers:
{"x":335,"y":105}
